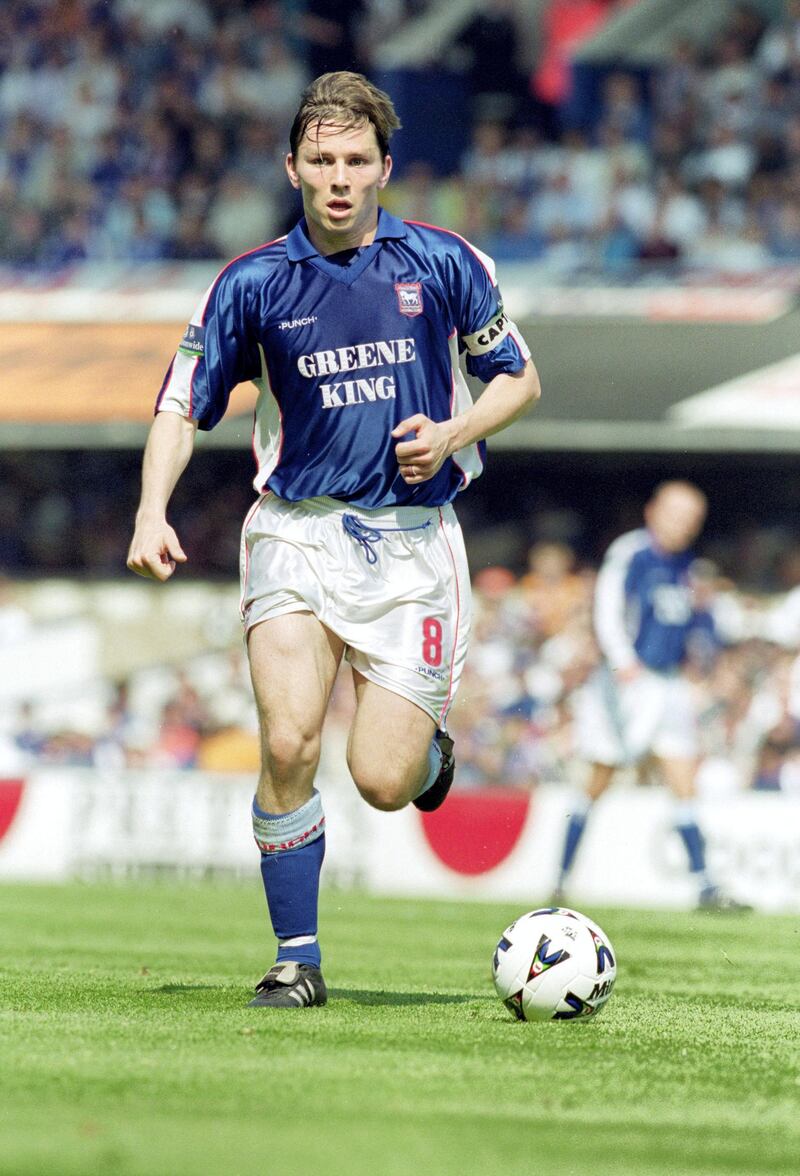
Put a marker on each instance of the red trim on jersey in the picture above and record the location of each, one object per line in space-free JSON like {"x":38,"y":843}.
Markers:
{"x":519,"y":345}
{"x":277,"y":462}
{"x":191,"y":387}
{"x":460,"y":468}
{"x":228,"y":265}
{"x":444,"y":709}
{"x":451,"y":233}
{"x":253,"y":442}
{"x":164,"y":385}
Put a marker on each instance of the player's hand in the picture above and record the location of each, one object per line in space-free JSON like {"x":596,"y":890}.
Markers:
{"x":421,"y":458}
{"x":155,"y":551}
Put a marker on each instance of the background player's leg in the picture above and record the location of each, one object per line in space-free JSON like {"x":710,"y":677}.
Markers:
{"x":293,"y":664}
{"x":391,"y":751}
{"x":679,"y":776}
{"x":600,"y":777}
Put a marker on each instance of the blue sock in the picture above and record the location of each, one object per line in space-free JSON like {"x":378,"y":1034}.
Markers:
{"x":689,"y":830}
{"x":292,"y":848}
{"x":434,"y":766}
{"x":575,"y":828}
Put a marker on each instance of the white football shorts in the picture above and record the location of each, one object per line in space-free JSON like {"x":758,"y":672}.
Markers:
{"x":619,"y":723}
{"x":394,"y":586}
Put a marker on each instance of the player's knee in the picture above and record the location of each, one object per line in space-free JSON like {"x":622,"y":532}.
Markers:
{"x":387,"y":791}
{"x":288,"y":751}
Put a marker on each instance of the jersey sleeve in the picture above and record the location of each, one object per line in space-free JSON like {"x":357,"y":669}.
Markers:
{"x":215,"y":354}
{"x":610,"y":605}
{"x":491,"y":340}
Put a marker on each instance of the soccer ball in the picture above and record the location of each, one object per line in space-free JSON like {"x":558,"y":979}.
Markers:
{"x":554,"y":964}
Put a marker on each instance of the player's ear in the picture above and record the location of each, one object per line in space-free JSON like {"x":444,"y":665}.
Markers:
{"x":294,"y":179}
{"x":387,"y":171}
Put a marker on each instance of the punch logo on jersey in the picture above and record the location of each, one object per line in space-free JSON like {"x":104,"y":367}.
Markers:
{"x":489,"y":336}
{"x":293,"y":324}
{"x":409,"y":297}
{"x":193,"y":341}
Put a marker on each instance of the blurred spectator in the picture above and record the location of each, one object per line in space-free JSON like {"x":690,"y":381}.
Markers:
{"x":552,"y":589}
{"x":491,"y":40}
{"x":331,"y":33}
{"x":417,"y":196}
{"x":677,"y":86}
{"x":242,"y":215}
{"x":779,"y":46}
{"x":622,"y":107}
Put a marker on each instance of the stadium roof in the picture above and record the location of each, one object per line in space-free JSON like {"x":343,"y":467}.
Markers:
{"x":82,"y":363}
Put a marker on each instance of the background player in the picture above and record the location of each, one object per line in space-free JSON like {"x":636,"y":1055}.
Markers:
{"x":351,"y":328}
{"x":637,"y":703}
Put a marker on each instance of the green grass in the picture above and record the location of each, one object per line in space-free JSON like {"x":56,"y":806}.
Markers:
{"x":126,"y":1045}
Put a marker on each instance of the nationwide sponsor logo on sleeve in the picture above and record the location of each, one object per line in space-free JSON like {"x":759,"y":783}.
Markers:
{"x":487,"y":338}
{"x":193,"y":341}
{"x":409,"y":298}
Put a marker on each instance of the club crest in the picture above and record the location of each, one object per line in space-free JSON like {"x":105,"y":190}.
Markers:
{"x":409,"y":297}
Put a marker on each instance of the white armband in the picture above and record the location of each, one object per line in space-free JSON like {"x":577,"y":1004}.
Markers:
{"x":489,"y":336}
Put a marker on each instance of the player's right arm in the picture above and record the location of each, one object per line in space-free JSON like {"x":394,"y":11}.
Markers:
{"x":155,"y":548}
{"x":214,"y":355}
{"x":610,"y":610}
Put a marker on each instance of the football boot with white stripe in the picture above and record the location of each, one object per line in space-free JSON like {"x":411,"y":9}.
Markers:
{"x":289,"y":985}
{"x":432,"y":798}
{"x":714,"y":899}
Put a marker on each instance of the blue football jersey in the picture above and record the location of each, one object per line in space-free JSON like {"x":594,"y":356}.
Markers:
{"x":643,"y":604}
{"x":341,"y":353}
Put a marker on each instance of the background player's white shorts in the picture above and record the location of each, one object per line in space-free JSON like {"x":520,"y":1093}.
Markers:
{"x":619,"y":723}
{"x":404,"y":618}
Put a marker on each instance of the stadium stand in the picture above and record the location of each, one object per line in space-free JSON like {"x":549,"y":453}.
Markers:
{"x":615,"y":134}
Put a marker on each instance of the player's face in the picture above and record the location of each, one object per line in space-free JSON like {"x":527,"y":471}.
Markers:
{"x":675,"y":517}
{"x":339,"y":172}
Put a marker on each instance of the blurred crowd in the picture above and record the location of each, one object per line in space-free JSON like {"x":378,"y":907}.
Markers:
{"x":690,"y":162}
{"x":146,"y":129}
{"x":531,"y":650}
{"x":139,"y":131}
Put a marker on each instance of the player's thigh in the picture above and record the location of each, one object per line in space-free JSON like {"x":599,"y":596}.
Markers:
{"x":597,"y":725}
{"x":679,"y":775}
{"x":293,"y":665}
{"x":677,"y":737}
{"x":410,"y":636}
{"x":389,"y":741}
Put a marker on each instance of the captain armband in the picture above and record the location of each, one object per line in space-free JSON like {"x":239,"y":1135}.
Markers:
{"x":489,"y":336}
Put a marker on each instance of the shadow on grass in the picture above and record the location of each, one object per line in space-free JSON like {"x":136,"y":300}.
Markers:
{"x":187,"y":989}
{"x":370,"y":997}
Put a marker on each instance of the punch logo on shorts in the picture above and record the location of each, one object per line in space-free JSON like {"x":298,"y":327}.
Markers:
{"x":193,"y":341}
{"x":409,"y":298}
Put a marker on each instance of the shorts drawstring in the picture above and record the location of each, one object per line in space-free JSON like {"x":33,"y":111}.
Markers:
{"x":367,"y":536}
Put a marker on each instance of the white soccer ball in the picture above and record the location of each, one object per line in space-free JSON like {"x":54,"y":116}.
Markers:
{"x":554,"y":964}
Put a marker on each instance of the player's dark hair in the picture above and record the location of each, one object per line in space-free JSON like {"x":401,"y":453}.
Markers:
{"x":346,"y":100}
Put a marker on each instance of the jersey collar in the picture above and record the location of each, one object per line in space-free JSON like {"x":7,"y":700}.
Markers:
{"x":299,"y":247}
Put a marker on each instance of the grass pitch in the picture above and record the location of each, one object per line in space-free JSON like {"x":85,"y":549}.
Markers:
{"x":126,"y":1045}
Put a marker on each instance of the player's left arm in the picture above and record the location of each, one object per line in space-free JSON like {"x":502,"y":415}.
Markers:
{"x":505,"y":398}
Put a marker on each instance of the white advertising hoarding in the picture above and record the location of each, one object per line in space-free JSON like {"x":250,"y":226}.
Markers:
{"x":493,"y":844}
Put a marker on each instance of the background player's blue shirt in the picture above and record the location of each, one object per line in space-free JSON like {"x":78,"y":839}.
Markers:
{"x":643,"y":604}
{"x":342,"y":353}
